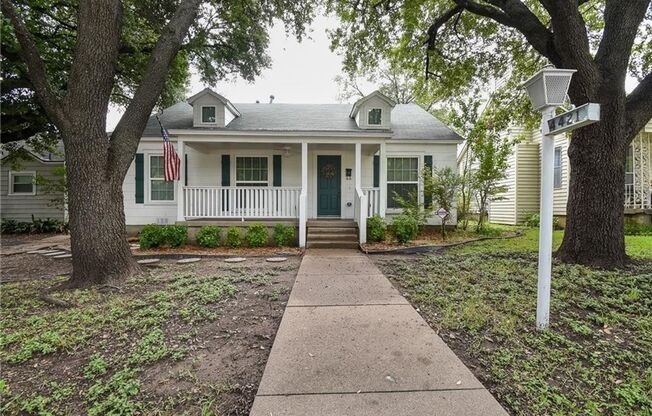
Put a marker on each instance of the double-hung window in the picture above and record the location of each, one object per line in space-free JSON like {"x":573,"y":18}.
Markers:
{"x":375,"y":117}
{"x":402,"y":179}
{"x":208,"y":114}
{"x":22,"y":183}
{"x":557,"y":168}
{"x":159,"y":189}
{"x":251,"y":171}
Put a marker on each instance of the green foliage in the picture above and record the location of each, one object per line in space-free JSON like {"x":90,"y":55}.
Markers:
{"x":443,"y":187}
{"x":96,"y":366}
{"x":233,"y":237}
{"x":404,"y":228}
{"x":114,"y":396}
{"x":533,"y":220}
{"x":47,"y":225}
{"x":638,"y":229}
{"x":376,"y":228}
{"x":163,"y":236}
{"x":150,"y":349}
{"x":283,"y":235}
{"x":54,"y":185}
{"x":411,"y":207}
{"x":208,"y":236}
{"x":151,"y":236}
{"x":257,"y":235}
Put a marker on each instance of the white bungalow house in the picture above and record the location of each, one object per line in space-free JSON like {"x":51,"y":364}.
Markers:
{"x":300,"y":164}
{"x":523,"y":178}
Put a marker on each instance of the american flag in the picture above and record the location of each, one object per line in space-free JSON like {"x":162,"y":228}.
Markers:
{"x":171,"y":161}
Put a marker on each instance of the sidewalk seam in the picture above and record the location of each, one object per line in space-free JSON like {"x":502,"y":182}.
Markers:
{"x":367,"y":392}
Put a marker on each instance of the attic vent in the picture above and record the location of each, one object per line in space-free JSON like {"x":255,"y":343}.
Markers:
{"x":161,"y":220}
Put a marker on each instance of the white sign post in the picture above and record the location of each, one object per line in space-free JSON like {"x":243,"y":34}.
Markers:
{"x":547,"y":91}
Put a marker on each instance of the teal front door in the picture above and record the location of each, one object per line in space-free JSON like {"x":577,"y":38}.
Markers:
{"x":329,"y":175}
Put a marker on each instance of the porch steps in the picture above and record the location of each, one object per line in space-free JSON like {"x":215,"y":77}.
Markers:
{"x":332,"y":234}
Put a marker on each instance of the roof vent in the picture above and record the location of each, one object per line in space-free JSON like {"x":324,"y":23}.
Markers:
{"x":271,"y":99}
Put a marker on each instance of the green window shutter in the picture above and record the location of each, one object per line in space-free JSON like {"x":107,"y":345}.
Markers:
{"x":226,"y":170}
{"x":427,"y":161}
{"x":277,"y":170}
{"x":185,"y":169}
{"x":376,"y":171}
{"x":140,"y":178}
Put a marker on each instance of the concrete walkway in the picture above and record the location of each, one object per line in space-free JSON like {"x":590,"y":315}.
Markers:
{"x":349,"y":344}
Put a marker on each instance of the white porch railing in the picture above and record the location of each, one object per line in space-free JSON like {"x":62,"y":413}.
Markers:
{"x":373,"y":201}
{"x":636,"y":198}
{"x":240,"y":202}
{"x":360,"y":214}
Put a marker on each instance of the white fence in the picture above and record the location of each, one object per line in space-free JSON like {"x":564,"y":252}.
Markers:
{"x":240,"y":202}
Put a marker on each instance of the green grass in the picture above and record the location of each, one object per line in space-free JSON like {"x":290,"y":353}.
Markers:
{"x":636,"y":245}
{"x":595,"y":358}
{"x":110,"y":338}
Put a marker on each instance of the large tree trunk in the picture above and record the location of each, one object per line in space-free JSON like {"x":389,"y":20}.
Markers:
{"x":594,"y":234}
{"x":100,"y":250}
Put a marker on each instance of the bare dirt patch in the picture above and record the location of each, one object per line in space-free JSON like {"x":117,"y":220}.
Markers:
{"x":176,"y":339}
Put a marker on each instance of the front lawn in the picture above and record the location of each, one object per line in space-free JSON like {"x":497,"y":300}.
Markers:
{"x":177,"y":339}
{"x":595,"y":358}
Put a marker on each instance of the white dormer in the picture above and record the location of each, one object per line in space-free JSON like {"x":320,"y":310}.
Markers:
{"x":373,"y":111}
{"x":210,"y":109}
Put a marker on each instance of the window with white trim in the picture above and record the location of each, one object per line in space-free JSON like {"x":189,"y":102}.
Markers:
{"x":557,"y":168}
{"x":375,"y":117}
{"x":251,"y":171}
{"x":402,"y":179}
{"x":22,"y":183}
{"x":159,"y":189}
{"x":208,"y":113}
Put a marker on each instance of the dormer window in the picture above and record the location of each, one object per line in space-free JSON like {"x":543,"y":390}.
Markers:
{"x":208,"y":114}
{"x":375,"y":117}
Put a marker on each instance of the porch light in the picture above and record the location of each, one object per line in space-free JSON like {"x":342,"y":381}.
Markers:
{"x":548,"y":87}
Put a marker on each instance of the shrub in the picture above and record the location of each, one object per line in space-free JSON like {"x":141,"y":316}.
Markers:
{"x":233,"y":237}
{"x":376,"y":228}
{"x":257,"y":235}
{"x":405,"y":228}
{"x":175,"y":235}
{"x":283,"y":235}
{"x":168,"y":235}
{"x":533,"y":220}
{"x":208,"y":236}
{"x":150,"y":236}
{"x":47,"y":225}
{"x":638,"y":229}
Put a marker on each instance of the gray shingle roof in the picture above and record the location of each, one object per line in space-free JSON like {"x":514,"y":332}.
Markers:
{"x":409,"y":121}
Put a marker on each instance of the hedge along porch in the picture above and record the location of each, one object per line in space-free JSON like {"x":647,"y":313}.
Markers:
{"x":285,"y":163}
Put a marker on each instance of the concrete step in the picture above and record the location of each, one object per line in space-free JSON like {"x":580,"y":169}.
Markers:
{"x":332,"y":244}
{"x":333,"y":230}
{"x":332,"y":223}
{"x":332,"y":237}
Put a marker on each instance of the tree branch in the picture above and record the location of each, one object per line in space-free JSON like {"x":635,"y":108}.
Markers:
{"x":621,"y":25}
{"x":127,"y":133}
{"x":638,"y":106}
{"x":35,"y":67}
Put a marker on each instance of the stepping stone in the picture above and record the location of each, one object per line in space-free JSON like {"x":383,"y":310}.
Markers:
{"x":63,"y":256}
{"x":42,"y":251}
{"x":189,"y":260}
{"x":276,"y":259}
{"x":235,"y":260}
{"x":148,"y":261}
{"x":54,"y":253}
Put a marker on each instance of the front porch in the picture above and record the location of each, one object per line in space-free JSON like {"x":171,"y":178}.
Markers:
{"x":290,"y":182}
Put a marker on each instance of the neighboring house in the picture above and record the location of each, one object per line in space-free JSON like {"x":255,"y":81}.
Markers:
{"x":285,"y":162}
{"x":21,"y":199}
{"x":523,"y":179}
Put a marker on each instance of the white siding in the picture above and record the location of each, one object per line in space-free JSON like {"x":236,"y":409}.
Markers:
{"x":374,"y":102}
{"x":208,"y":100}
{"x":503,"y":209}
{"x":559,"y":195}
{"x":23,"y":207}
{"x":527,"y":179}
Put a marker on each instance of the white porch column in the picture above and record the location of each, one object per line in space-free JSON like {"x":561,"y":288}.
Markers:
{"x":362,"y":205}
{"x":181,"y":182}
{"x":382,"y":183}
{"x":304,"y":194}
